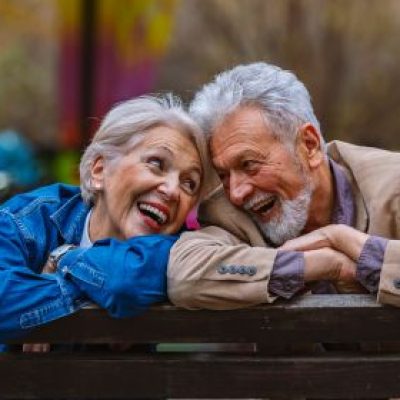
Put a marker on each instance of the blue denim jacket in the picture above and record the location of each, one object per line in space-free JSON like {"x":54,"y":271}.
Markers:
{"x":124,"y":277}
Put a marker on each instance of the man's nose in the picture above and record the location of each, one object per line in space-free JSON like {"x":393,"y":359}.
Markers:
{"x":170,"y":188}
{"x":239,"y":189}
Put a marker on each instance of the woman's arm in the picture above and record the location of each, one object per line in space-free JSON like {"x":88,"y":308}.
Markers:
{"x":342,"y":238}
{"x":123,"y":277}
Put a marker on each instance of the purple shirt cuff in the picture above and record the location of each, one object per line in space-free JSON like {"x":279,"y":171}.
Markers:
{"x":287,"y":276}
{"x":370,"y":262}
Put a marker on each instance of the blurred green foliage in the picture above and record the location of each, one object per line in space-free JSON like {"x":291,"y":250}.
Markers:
{"x":345,"y":51}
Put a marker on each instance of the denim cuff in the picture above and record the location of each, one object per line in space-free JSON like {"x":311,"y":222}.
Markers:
{"x":287,"y":276}
{"x":370,"y":262}
{"x":81,"y":272}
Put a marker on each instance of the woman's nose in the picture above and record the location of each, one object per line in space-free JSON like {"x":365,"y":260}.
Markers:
{"x":170,"y":188}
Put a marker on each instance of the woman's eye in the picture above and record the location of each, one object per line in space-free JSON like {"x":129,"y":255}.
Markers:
{"x":156,"y":162}
{"x":191,"y":186}
{"x":224,"y":179}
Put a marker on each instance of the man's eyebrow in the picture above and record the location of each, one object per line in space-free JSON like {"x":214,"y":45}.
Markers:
{"x":253,"y":153}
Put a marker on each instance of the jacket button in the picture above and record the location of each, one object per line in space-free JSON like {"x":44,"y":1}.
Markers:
{"x":242,"y":270}
{"x":396,"y":283}
{"x":233,"y":269}
{"x":222,"y":269}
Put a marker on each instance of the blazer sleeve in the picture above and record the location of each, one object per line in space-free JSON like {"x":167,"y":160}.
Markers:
{"x":211,"y":268}
{"x":389,"y":284}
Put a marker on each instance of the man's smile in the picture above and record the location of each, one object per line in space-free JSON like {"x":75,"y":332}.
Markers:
{"x":261,"y":206}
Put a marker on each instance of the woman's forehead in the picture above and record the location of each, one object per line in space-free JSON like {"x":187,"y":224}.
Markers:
{"x":173,"y":142}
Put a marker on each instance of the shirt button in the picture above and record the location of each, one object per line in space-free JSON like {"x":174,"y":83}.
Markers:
{"x":396,"y":283}
{"x":288,"y":286}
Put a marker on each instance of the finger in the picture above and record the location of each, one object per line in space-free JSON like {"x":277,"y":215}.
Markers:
{"x":49,"y":268}
{"x":36,"y":347}
{"x":306,"y":242}
{"x":27,"y":347}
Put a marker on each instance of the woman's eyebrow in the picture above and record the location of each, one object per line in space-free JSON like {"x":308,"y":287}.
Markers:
{"x":195,"y":168}
{"x":163,"y":148}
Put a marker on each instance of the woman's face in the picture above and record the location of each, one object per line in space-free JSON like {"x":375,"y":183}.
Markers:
{"x":149,"y":190}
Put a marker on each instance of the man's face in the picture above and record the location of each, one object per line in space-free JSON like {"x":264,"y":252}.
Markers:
{"x":261,"y":175}
{"x":149,"y":190}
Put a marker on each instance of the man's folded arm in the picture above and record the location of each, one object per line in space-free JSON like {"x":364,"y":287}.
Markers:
{"x":213,"y":269}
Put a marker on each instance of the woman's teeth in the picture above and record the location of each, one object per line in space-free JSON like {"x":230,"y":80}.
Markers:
{"x":159,"y":216}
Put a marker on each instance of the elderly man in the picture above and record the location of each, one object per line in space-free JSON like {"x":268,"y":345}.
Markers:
{"x":292,"y":214}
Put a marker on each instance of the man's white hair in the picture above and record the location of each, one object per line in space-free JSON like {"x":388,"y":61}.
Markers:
{"x":125,"y":126}
{"x":284,"y":100}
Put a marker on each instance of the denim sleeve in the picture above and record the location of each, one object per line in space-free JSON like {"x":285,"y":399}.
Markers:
{"x":287,"y":276}
{"x":370,"y":262}
{"x":124,"y":277}
{"x":28,"y":299}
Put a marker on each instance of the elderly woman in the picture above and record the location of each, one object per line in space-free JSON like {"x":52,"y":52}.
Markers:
{"x":108,"y":241}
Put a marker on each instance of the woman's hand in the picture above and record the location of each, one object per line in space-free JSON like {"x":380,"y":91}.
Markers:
{"x":314,"y":240}
{"x":342,"y":238}
{"x":334,"y":266}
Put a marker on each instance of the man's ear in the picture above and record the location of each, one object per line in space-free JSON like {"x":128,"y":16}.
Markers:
{"x":309,"y":145}
{"x":97,"y":173}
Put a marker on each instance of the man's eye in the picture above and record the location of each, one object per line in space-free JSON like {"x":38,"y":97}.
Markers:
{"x":249,"y":165}
{"x":156,"y":162}
{"x":224,"y":177}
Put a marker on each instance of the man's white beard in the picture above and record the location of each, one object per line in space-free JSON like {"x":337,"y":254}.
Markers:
{"x":292,"y":219}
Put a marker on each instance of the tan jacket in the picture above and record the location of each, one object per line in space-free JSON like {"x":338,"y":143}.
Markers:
{"x":227,"y":264}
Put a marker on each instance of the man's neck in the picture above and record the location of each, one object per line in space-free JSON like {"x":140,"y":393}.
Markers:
{"x":323,"y":199}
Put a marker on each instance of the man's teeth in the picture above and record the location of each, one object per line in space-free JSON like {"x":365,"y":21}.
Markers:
{"x":153,"y":212}
{"x":264,"y":205}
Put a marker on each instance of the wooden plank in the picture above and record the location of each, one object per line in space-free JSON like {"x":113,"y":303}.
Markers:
{"x":123,"y":377}
{"x":320,"y":318}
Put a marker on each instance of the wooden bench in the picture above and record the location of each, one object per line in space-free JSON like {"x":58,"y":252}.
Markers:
{"x":274,"y":358}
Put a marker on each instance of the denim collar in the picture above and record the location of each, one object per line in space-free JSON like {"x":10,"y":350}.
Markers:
{"x":70,"y":219}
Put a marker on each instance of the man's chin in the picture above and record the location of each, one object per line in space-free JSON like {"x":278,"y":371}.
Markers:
{"x":278,"y":233}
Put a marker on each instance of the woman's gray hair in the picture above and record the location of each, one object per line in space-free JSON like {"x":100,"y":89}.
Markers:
{"x":125,"y":126}
{"x":284,"y":100}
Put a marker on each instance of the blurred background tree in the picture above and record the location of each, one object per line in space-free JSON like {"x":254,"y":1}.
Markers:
{"x":84,"y":55}
{"x":346,"y":53}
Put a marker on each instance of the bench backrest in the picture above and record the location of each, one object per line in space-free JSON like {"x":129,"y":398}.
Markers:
{"x":328,"y":346}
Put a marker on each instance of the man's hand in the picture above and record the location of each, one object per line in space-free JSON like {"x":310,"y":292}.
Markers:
{"x":331,"y":265}
{"x":342,"y":238}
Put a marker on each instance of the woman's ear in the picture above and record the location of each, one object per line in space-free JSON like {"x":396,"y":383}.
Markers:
{"x":309,"y":145}
{"x":97,"y":173}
